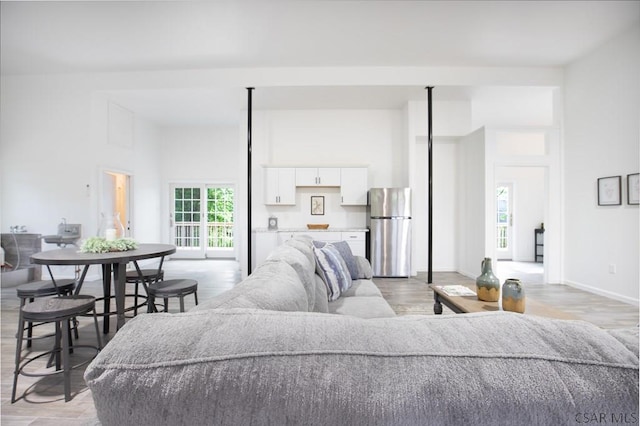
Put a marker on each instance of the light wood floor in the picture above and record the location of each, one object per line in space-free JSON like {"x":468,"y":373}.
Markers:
{"x":42,"y":399}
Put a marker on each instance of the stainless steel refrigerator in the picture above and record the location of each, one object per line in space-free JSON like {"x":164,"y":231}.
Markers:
{"x":390,"y":231}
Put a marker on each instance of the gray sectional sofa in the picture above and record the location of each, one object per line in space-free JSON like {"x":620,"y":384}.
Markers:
{"x":274,"y":351}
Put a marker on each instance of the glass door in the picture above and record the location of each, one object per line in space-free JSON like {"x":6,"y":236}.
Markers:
{"x":186,"y":221}
{"x":202,"y":220}
{"x":504,"y":221}
{"x":220,"y":224}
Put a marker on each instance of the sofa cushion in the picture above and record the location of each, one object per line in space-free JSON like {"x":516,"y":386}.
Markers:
{"x":303,"y":244}
{"x":239,"y":366}
{"x":362,"y":307}
{"x":322,"y":299}
{"x":364,"y":268}
{"x":300,"y":263}
{"x":273,"y":285}
{"x":332,"y":272}
{"x":362,"y":288}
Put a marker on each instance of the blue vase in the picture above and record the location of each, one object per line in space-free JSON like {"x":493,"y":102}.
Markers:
{"x":487,"y":284}
{"x":513,"y":296}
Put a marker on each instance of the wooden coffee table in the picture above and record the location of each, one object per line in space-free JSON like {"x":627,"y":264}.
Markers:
{"x":470,"y":304}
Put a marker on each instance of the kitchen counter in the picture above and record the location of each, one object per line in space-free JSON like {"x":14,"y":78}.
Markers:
{"x":330,"y":229}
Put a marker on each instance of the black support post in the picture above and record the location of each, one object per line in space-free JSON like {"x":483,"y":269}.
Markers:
{"x":430,"y":208}
{"x":249,"y":148}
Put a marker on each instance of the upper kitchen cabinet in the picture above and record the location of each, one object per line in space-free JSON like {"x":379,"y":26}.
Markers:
{"x":318,"y":176}
{"x":280,"y":186}
{"x":353,"y":186}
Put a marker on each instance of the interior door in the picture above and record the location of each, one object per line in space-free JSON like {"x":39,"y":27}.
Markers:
{"x":504,"y":221}
{"x":116,"y":198}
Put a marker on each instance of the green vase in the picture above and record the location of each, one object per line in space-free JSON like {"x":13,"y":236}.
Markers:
{"x":487,"y":284}
{"x":513,"y":296}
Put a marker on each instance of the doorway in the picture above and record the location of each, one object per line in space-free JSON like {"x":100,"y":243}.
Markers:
{"x":202,"y":220}
{"x":521,"y":205}
{"x":116,"y":198}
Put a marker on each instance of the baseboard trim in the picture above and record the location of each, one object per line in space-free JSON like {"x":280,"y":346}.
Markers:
{"x":605,"y":293}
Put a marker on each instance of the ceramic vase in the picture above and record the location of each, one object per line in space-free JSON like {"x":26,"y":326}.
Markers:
{"x":487,"y":284}
{"x":513,"y":296}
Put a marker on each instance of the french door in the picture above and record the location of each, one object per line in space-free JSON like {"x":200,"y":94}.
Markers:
{"x":202,"y":220}
{"x":504,"y":221}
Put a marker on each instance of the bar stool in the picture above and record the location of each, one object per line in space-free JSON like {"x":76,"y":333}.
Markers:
{"x":30,"y":291}
{"x":149,"y":276}
{"x":171,"y":288}
{"x":60,"y":310}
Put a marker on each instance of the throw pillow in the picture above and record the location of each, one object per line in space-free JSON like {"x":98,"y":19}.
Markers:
{"x":349,"y":259}
{"x":319,"y":244}
{"x":330,"y":270}
{"x":345,"y":279}
{"x":346,"y":253}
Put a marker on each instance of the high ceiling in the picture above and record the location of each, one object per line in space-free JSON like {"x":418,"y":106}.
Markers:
{"x":103,"y":36}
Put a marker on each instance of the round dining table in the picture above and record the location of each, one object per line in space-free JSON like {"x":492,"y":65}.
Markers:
{"x":111,"y":261}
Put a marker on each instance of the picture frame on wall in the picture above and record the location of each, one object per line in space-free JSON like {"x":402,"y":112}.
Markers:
{"x":317,"y":205}
{"x":633,"y":189}
{"x":610,"y":191}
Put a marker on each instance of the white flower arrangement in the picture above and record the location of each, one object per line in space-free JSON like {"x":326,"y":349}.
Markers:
{"x":102,"y":245}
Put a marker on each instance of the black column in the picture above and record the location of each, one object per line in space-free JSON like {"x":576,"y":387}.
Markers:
{"x":249,"y":148}
{"x":430,"y":209}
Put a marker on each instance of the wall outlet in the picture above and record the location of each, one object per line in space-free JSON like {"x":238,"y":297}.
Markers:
{"x":612,"y":268}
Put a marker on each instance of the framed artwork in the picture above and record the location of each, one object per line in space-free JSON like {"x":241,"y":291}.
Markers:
{"x":633,"y":188}
{"x":609,"y":191}
{"x":317,"y":205}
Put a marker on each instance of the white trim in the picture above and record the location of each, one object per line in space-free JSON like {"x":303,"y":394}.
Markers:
{"x":605,"y":293}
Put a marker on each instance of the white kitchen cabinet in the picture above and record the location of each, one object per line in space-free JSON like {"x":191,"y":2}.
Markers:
{"x":318,"y":176}
{"x":353,"y":186}
{"x":263,"y":244}
{"x":280,"y":186}
{"x":356,"y":241}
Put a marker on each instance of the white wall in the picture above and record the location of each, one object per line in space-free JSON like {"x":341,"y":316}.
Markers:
{"x":471,"y":204}
{"x":146,"y":184}
{"x":46,"y":154}
{"x":450,"y":118}
{"x":512,"y":106}
{"x":445,"y":179}
{"x":195,"y":154}
{"x":602,"y":139}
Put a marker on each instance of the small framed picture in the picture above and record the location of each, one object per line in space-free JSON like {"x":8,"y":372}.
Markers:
{"x":609,"y":191}
{"x":317,"y":205}
{"x":633,"y":188}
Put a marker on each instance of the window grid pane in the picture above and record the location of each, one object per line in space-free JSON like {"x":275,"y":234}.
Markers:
{"x":187,"y":215}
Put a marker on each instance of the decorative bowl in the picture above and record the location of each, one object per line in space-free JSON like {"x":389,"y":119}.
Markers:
{"x":317,"y":225}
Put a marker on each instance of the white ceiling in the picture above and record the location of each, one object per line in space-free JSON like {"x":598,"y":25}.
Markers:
{"x":103,"y":36}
